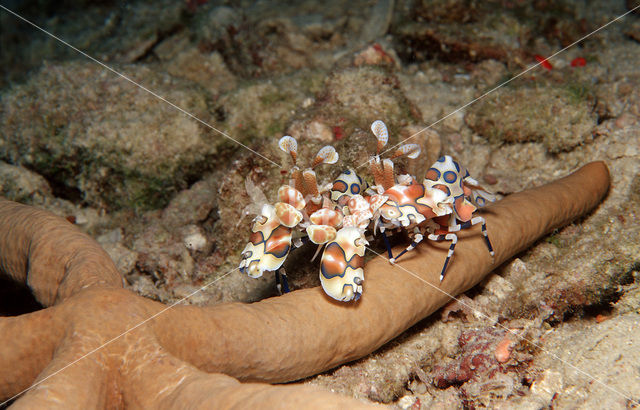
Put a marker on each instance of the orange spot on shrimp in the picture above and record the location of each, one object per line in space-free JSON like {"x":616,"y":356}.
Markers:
{"x":464,"y":210}
{"x":432,"y":175}
{"x":333,"y":262}
{"x":255,"y":238}
{"x":279,"y":242}
{"x":339,"y":186}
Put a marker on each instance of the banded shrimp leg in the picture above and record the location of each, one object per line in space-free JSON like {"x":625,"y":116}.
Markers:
{"x":447,"y":234}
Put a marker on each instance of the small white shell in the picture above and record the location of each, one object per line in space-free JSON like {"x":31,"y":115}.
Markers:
{"x":195,"y":241}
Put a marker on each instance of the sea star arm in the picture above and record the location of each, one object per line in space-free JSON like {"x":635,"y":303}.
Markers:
{"x":28,"y":344}
{"x":318,"y":334}
{"x":50,"y":255}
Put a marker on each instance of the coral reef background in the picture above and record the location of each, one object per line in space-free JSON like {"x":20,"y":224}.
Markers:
{"x":164,"y":194}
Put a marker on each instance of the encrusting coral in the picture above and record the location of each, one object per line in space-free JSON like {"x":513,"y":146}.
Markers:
{"x":194,"y":356}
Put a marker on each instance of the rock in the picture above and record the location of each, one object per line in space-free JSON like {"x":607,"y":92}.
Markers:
{"x":208,"y":69}
{"x":116,"y":145}
{"x":21,"y":185}
{"x":262,"y":109}
{"x":459,"y":30}
{"x":564,"y":120}
{"x":319,"y":131}
{"x":547,"y":385}
{"x":194,"y":239}
{"x":124,"y":258}
{"x":592,"y":366}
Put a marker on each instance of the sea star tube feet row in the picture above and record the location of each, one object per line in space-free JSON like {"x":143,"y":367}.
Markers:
{"x":192,"y":355}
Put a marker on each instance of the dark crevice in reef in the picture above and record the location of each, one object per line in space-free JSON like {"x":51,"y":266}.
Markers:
{"x":604,"y":308}
{"x":61,"y":190}
{"x":149,"y":55}
{"x":16,"y":299}
{"x":609,"y":295}
{"x":627,"y":278}
{"x":55,"y":177}
{"x":580,"y":312}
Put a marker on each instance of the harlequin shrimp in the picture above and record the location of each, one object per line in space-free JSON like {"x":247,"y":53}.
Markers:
{"x":273,"y":228}
{"x":325,"y":215}
{"x":463,"y":196}
{"x":407,"y":202}
{"x":332,"y":218}
{"x":346,"y":185}
{"x":342,"y":263}
{"x":442,"y":205}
